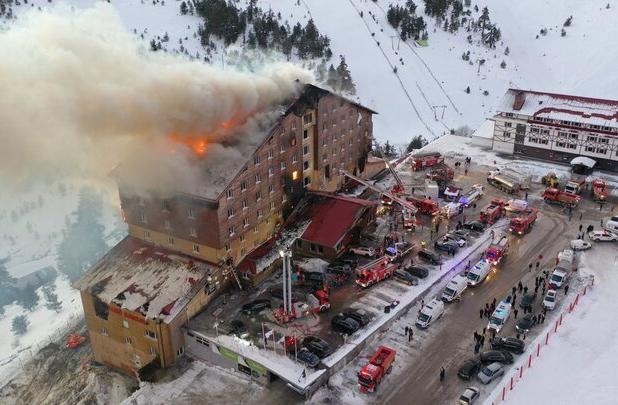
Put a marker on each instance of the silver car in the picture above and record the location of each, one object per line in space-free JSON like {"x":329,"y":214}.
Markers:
{"x":491,"y":372}
{"x":469,"y":396}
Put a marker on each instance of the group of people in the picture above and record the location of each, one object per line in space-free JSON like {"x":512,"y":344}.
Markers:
{"x":488,"y":310}
{"x":479,"y":340}
{"x":409,"y":333}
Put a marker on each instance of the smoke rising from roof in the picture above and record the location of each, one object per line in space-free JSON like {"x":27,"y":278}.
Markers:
{"x":81,"y":94}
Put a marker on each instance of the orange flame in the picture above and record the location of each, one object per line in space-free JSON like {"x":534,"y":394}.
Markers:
{"x":197,"y":144}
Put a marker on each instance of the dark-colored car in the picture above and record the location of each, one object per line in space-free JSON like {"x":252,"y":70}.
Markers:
{"x":527,"y":300}
{"x":238,"y":328}
{"x":461,"y":233}
{"x":493,"y":356}
{"x":359,"y":315}
{"x":349,"y":260}
{"x":405,"y":277}
{"x":525,"y":323}
{"x":510,"y":344}
{"x":417,"y":271}
{"x":256,"y":306}
{"x":338,"y":270}
{"x":306,"y":357}
{"x":446,"y":246}
{"x":317,"y":346}
{"x":475,"y":226}
{"x":469,"y":369}
{"x":313,"y":276}
{"x":429,"y":256}
{"x":344,"y":324}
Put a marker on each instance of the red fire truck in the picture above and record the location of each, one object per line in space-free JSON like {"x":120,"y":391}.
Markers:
{"x":492,"y":212}
{"x":599,"y":190}
{"x":374,"y":272}
{"x":524,"y":222}
{"x":380,"y":364}
{"x":497,"y":250}
{"x":555,"y":196}
{"x":316,"y":302}
{"x":442,"y":173}
{"x":426,"y":160}
{"x":425,"y":205}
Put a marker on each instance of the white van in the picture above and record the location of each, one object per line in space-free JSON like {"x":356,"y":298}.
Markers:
{"x":429,"y":313}
{"x":454,"y":288}
{"x":567,"y":255}
{"x":478,"y":273}
{"x":500,"y":316}
{"x":612,"y":224}
{"x":558,"y":278}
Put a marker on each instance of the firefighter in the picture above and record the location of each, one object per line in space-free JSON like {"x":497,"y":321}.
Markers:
{"x":442,"y":374}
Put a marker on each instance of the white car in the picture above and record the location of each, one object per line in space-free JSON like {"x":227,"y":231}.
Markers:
{"x":460,"y":240}
{"x":603,"y":236}
{"x":549,"y":301}
{"x":363,"y":251}
{"x":579,"y":244}
{"x":469,"y":396}
{"x":612,"y":224}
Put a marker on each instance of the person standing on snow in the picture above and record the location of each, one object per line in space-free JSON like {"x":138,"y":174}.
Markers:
{"x":442,"y":374}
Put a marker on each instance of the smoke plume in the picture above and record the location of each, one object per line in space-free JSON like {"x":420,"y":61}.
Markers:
{"x":81,"y":94}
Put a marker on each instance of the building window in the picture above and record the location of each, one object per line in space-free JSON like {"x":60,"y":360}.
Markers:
{"x":125,"y":324}
{"x":180,"y":351}
{"x":294,"y":158}
{"x":307,"y":181}
{"x":227,"y":247}
{"x":167,"y":225}
{"x":282,"y":165}
{"x":312,"y":247}
{"x":242,"y":238}
{"x":230,"y":212}
{"x":299,"y":243}
{"x":142,"y":217}
{"x":230,"y":193}
{"x":104,"y":332}
{"x":258,"y":196}
{"x":271,"y":172}
{"x":196,"y":248}
{"x":190,"y":213}
{"x":260,"y":213}
{"x":150,"y":334}
{"x":153,"y":351}
{"x":305,"y":149}
{"x":165,"y":205}
{"x":255,"y":229}
{"x":293,"y":124}
{"x":258,"y":178}
{"x":244,"y":204}
{"x":231,"y":231}
{"x":170,"y":240}
{"x":147,"y":235}
{"x":245,"y":222}
{"x":320,"y":249}
{"x":305,"y":165}
{"x":295,"y":175}
{"x":193,"y":232}
{"x":284,"y":198}
{"x":128,"y":340}
{"x":271,"y":188}
{"x":256,"y":160}
{"x":602,"y":151}
{"x":589,"y":149}
{"x":270,"y":154}
{"x":243,"y":185}
{"x":305,"y":133}
{"x":307,"y":118}
{"x":281,"y":148}
{"x":508,"y":124}
{"x":272,"y":205}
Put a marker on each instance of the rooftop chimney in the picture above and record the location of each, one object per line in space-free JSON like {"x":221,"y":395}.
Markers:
{"x":520,"y":97}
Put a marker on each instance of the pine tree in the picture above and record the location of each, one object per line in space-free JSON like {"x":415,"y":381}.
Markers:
{"x":51,"y":299}
{"x":484,"y":20}
{"x":567,"y":23}
{"x":345,"y":78}
{"x":416,"y":143}
{"x":19,"y":325}
{"x":333,"y":80}
{"x":507,"y":51}
{"x":183,"y":8}
{"x":503,"y":65}
{"x":468,"y":89}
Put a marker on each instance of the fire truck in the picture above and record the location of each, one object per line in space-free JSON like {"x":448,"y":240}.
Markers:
{"x":409,"y":221}
{"x":426,"y":160}
{"x":374,"y":272}
{"x":555,"y":196}
{"x":492,"y":212}
{"x":442,"y":173}
{"x":574,"y":186}
{"x":524,"y":222}
{"x":316,"y":302}
{"x":599,"y":190}
{"x":399,"y":250}
{"x":380,"y":364}
{"x":475,"y":193}
{"x":497,"y":250}
{"x":425,"y":205}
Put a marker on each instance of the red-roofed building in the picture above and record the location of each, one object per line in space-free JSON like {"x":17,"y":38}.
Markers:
{"x":557,"y":127}
{"x":335,"y":221}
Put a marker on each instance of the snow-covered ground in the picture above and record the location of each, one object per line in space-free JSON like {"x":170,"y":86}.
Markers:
{"x":578,"y":365}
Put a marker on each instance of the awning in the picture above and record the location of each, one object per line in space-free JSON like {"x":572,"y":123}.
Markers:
{"x":583,"y":160}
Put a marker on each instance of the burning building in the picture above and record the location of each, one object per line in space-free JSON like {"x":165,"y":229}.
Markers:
{"x":181,"y":245}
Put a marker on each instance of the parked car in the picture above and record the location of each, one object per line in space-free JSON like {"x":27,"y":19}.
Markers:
{"x":457,"y":238}
{"x":446,"y":246}
{"x":462,"y":233}
{"x":338,"y":270}
{"x":469,"y":396}
{"x":468,"y":369}
{"x":317,"y":346}
{"x":238,"y":329}
{"x":475,"y":226}
{"x":510,"y":344}
{"x":344,"y":324}
{"x":350,"y":260}
{"x":558,"y":279}
{"x":256,"y":306}
{"x":359,"y":315}
{"x":429,"y":256}
{"x":363,"y":251}
{"x":496,"y":356}
{"x":306,"y":357}
{"x":491,"y":372}
{"x":579,"y":244}
{"x":527,"y":300}
{"x":405,"y":277}
{"x":612,"y":224}
{"x":549,"y":301}
{"x":525,"y":323}
{"x":417,"y":271}
{"x":603,"y":236}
